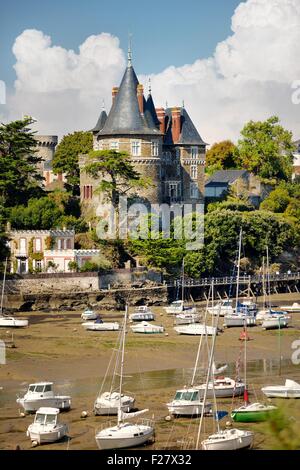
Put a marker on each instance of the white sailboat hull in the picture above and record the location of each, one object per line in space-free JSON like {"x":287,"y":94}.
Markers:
{"x":180,"y":408}
{"x":233,"y":439}
{"x":195,"y":329}
{"x":106,"y":326}
{"x":107,"y":404}
{"x":124,"y":436}
{"x":46,"y":434}
{"x":33,"y":404}
{"x":234,"y":320}
{"x":274,"y":323}
{"x":281,"y":392}
{"x":224,"y":392}
{"x":11,"y":322}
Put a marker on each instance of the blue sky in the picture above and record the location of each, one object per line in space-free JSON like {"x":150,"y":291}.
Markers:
{"x":164,"y":32}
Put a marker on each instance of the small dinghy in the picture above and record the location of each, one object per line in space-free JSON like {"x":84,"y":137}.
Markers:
{"x":290,"y":389}
{"x":42,"y":395}
{"x":188,"y":402}
{"x":12,"y":322}
{"x":142,"y":313}
{"x":89,"y":314}
{"x":46,"y":427}
{"x":108,"y":403}
{"x":99,"y":325}
{"x":253,"y":413}
{"x":273,"y":322}
{"x":229,"y":439}
{"x":195,"y":329}
{"x":147,"y":328}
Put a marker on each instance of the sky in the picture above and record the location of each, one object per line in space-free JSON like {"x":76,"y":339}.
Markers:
{"x":230,"y":61}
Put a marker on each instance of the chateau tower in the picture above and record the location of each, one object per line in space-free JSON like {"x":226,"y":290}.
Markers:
{"x":163,"y":145}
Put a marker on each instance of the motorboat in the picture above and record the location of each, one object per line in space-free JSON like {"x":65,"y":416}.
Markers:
{"x":188,"y":402}
{"x":12,"y":322}
{"x":196,"y":329}
{"x":41,"y":394}
{"x":252,"y":413}
{"x":147,"y":328}
{"x":178,"y":306}
{"x":108,"y":403}
{"x":290,"y":389}
{"x":239,"y":319}
{"x":273,"y":322}
{"x":142,"y":313}
{"x":223,"y":387}
{"x":99,"y":325}
{"x":89,"y":314}
{"x":46,"y":427}
{"x":124,"y":434}
{"x":187,"y":318}
{"x":229,"y":439}
{"x":295,"y":308}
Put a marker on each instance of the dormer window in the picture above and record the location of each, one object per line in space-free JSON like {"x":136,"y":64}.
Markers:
{"x":135,"y":148}
{"x":194,"y":152}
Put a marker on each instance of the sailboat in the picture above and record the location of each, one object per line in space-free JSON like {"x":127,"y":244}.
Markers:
{"x":124,"y":434}
{"x":250,"y":412}
{"x":227,"y":439}
{"x":241,"y":313}
{"x":178,"y":307}
{"x":5,"y":320}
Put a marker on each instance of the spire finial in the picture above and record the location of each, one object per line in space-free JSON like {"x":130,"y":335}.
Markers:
{"x":129,"y":54}
{"x":149,"y":86}
{"x":183,"y":103}
{"x":103,"y":104}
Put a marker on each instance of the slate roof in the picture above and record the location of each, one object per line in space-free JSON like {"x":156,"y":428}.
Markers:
{"x":150,"y":113}
{"x":101,"y":121}
{"x":124,"y":116}
{"x":225,"y":177}
{"x":188,"y":135}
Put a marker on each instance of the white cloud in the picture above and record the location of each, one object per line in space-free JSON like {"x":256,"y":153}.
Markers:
{"x":250,"y":76}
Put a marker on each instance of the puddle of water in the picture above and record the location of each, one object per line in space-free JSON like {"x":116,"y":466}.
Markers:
{"x":153,"y":380}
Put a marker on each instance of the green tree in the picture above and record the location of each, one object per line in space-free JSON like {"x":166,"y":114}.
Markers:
{"x":221,"y":156}
{"x":277,"y":201}
{"x":266,"y":149}
{"x":19,"y":176}
{"x":66,"y":157}
{"x":116,"y":174}
{"x":39,"y":214}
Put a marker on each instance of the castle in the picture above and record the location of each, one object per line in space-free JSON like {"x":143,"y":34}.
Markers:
{"x":163,"y":144}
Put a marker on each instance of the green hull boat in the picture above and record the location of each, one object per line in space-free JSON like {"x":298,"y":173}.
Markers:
{"x":253,"y":413}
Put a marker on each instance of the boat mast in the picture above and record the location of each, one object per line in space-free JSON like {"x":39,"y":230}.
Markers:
{"x":182,"y":288}
{"x":245,"y":363}
{"x":238,"y":272}
{"x":200,"y":342}
{"x":268,"y":278}
{"x":263,"y":282}
{"x":208,"y":372}
{"x":3,"y":286}
{"x":122,"y":367}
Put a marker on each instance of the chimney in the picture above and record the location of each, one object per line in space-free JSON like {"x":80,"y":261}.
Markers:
{"x":176,"y":124}
{"x":140,"y":97}
{"x":161,"y":114}
{"x":114,"y":93}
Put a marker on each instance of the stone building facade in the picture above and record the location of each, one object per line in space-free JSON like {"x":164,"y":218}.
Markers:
{"x":163,"y":144}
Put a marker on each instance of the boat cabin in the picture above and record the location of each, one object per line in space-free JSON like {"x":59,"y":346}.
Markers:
{"x":46,"y":416}
{"x":41,"y":389}
{"x":187,"y":395}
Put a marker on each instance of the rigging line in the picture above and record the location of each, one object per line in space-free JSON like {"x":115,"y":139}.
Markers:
{"x":108,"y":367}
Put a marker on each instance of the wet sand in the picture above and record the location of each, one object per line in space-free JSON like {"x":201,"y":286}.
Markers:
{"x":56,"y":348}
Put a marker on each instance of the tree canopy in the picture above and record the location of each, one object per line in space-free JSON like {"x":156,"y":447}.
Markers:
{"x":221,"y":156}
{"x":266,"y":149}
{"x":66,"y":157}
{"x":18,"y":163}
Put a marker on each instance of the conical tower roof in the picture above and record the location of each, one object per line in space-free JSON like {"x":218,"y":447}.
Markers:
{"x":150,"y":113}
{"x":101,"y":122}
{"x":124,"y":117}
